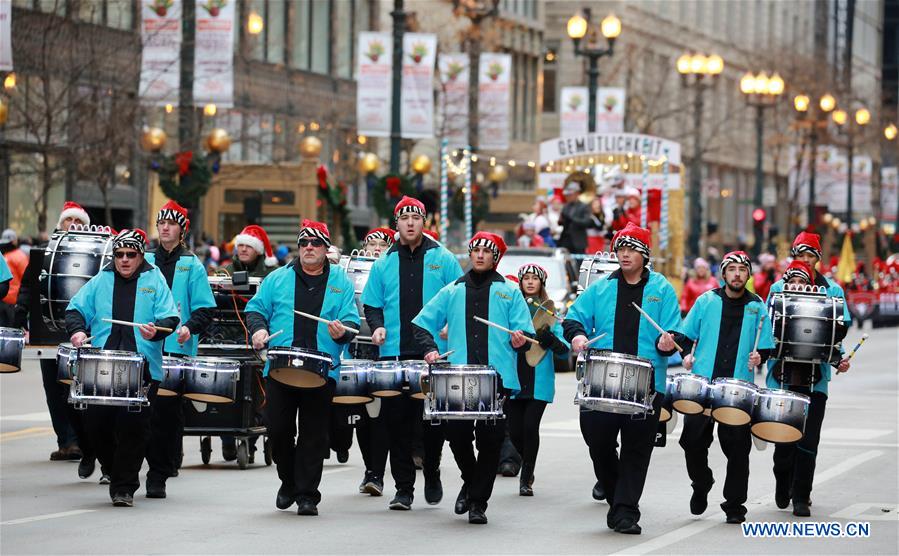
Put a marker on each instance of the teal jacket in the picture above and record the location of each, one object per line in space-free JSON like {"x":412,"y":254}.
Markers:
{"x":544,"y":374}
{"x":5,"y":273}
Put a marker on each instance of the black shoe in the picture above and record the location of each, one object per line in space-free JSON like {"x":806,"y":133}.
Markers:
{"x":525,"y":481}
{"x":525,"y":490}
{"x":433,"y":488}
{"x":611,"y":522}
{"x":72,"y":453}
{"x":402,"y":501}
{"x":175,"y":474}
{"x":155,"y":489}
{"x":58,"y":455}
{"x":509,"y":469}
{"x":599,"y":493}
{"x":86,"y":467}
{"x":735,"y":517}
{"x":229,"y":452}
{"x":781,"y":494}
{"x":285,"y":498}
{"x":462,"y":501}
{"x":699,"y":502}
{"x":104,"y":478}
{"x":801,"y":509}
{"x":343,"y":456}
{"x":628,"y":526}
{"x":123,"y":500}
{"x":477,"y":516}
{"x":374,"y":486}
{"x":306,"y":507}
{"x":365,"y":478}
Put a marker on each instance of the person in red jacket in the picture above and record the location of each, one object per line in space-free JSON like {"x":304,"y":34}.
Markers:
{"x":763,"y":279}
{"x":702,"y":282}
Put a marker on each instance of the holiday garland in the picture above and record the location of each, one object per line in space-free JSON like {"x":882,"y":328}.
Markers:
{"x":387,"y":192}
{"x":480,"y":204}
{"x":184,"y":177}
{"x":335,"y":199}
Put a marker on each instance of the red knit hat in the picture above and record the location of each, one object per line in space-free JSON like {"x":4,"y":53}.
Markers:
{"x":807,"y":242}
{"x":175,"y":212}
{"x":409,"y":205}
{"x":798,"y":269}
{"x":492,"y":241}
{"x":254,"y":236}
{"x":314,"y":230}
{"x":635,"y":237}
{"x":384,"y":234}
{"x":73,"y":210}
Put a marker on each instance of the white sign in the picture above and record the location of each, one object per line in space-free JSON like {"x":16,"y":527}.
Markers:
{"x":563,"y":148}
{"x":610,"y":103}
{"x":160,"y":69}
{"x":838,"y":193}
{"x":494,"y":81}
{"x":889,"y":193}
{"x":5,"y":35}
{"x":573,"y":111}
{"x":373,"y":84}
{"x":419,"y":53}
{"x":214,"y":54}
{"x":454,"y":79}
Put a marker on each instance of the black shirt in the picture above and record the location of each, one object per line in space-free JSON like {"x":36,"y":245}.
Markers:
{"x":477,"y":303}
{"x":166,"y":261}
{"x":729,"y":332}
{"x":308,"y":297}
{"x":411,"y":268}
{"x":627,"y":319}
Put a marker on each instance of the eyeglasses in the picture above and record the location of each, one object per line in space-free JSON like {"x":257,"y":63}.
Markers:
{"x":126,"y":254}
{"x":316,"y":242}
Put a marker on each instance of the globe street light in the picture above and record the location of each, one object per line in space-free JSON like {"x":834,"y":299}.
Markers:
{"x":578,"y":28}
{"x":862,"y":116}
{"x":813,"y":115}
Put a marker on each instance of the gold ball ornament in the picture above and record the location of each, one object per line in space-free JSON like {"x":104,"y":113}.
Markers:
{"x":498,"y":174}
{"x":218,"y":140}
{"x":826,"y":218}
{"x":863,"y":225}
{"x":421,"y":164}
{"x":369,"y":163}
{"x":310,"y":147}
{"x":4,"y":112}
{"x":153,"y":139}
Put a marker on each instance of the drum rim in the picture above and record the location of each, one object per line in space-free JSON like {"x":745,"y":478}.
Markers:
{"x":735,"y":382}
{"x":16,"y":332}
{"x":295,"y":351}
{"x":594,"y":354}
{"x":463,"y":368}
{"x":92,"y":352}
{"x":689,"y":376}
{"x":781,"y":393}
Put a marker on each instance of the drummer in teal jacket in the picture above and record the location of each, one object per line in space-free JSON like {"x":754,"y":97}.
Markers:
{"x":725,"y":322}
{"x":132,"y":290}
{"x":606,"y":307}
{"x":311,"y":285}
{"x":794,"y":464}
{"x":481,"y":292}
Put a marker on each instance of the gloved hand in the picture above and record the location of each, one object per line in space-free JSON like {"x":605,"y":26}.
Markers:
{"x":545,"y":337}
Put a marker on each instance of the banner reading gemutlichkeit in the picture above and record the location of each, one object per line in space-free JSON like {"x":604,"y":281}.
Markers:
{"x":160,"y":68}
{"x":214,"y":54}
{"x":373,"y":84}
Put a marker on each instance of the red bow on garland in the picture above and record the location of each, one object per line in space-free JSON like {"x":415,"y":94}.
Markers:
{"x":393,"y":186}
{"x":322,"y":174}
{"x":183,"y":161}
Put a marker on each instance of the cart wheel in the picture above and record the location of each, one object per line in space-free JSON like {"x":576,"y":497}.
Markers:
{"x":205,"y":449}
{"x":267,"y":451}
{"x":243,"y":456}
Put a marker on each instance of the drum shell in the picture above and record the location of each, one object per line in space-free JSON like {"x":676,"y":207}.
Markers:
{"x":665,"y":412}
{"x":779,"y":416}
{"x":358,"y":269}
{"x":732,"y":401}
{"x":299,"y":367}
{"x":689,"y":393}
{"x":594,"y":268}
{"x":386,"y":379}
{"x":616,"y":383}
{"x":353,"y":384}
{"x":64,"y":363}
{"x":463,"y":392}
{"x":804,"y":326}
{"x":172,"y":377}
{"x":12,"y":344}
{"x":211,"y":379}
{"x":109,"y":377}
{"x":414,"y":370}
{"x":71,"y":259}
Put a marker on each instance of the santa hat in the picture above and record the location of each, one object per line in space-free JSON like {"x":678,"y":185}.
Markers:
{"x":176,"y":213}
{"x":130,"y":239}
{"x":511,"y":278}
{"x":73,"y":210}
{"x":531,"y":268}
{"x":409,"y":205}
{"x":766,"y":258}
{"x":314,"y":230}
{"x":635,"y":237}
{"x":433,"y":234}
{"x":700,"y":262}
{"x":490,"y":241}
{"x":806,"y":242}
{"x":254,"y":236}
{"x":384,"y":234}
{"x":736,"y":257}
{"x":798,"y":269}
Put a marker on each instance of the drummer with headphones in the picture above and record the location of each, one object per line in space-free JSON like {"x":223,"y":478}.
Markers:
{"x":484,"y":293}
{"x":128,"y":290}
{"x":186,"y":278}
{"x":605,"y":307}
{"x":310,"y":285}
{"x":411,"y":272}
{"x":725,"y":322}
{"x":794,"y":464}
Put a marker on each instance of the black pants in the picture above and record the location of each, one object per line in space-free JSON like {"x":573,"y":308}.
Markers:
{"x":524,"y":428}
{"x":57,"y":403}
{"x":120,"y":438}
{"x":166,"y":433}
{"x":624,"y":476}
{"x":299,"y":459}
{"x":478,"y":473}
{"x":736,"y":443}
{"x":392,"y":435}
{"x":794,"y":463}
{"x":344,"y":420}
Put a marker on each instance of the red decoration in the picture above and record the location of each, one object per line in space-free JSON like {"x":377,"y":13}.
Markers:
{"x":322,"y":174}
{"x":393,"y":186}
{"x":183,"y":161}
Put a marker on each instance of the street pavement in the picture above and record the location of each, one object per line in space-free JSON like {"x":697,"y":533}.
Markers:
{"x":217,"y":508}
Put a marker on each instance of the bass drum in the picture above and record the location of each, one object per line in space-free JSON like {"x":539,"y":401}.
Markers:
{"x":595,"y":267}
{"x":71,"y":259}
{"x":808,"y":325}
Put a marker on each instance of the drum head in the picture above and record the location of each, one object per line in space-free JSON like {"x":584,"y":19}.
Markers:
{"x":731,"y":416}
{"x":419,"y":396}
{"x":351,"y":400}
{"x":165,"y":392}
{"x":208,"y":398}
{"x":297,"y":378}
{"x":664,"y":415}
{"x":385,"y":393}
{"x":778,"y":433}
{"x":688,"y":407}
{"x":7,"y":368}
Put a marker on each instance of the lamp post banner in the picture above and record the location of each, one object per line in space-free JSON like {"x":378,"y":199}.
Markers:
{"x":5,"y":36}
{"x":419,"y":55}
{"x":214,"y":54}
{"x":861,"y":186}
{"x":160,"y":65}
{"x":610,"y":103}
{"x":573,"y":111}
{"x":889,"y":193}
{"x":494,"y":84}
{"x":594,"y":144}
{"x":454,"y":78}
{"x":373,"y":84}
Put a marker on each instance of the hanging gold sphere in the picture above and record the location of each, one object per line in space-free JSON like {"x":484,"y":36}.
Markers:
{"x":421,"y":164}
{"x":153,"y":139}
{"x":863,"y":225}
{"x":4,"y":112}
{"x":369,"y":163}
{"x":826,"y":218}
{"x":218,"y":140}
{"x":310,"y":147}
{"x":498,"y":174}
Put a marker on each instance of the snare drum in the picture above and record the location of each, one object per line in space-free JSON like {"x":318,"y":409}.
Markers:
{"x":387,"y":378}
{"x":210,"y":379}
{"x":594,"y":268}
{"x":64,"y":362}
{"x":173,"y":377}
{"x":667,"y":408}
{"x":358,"y":268}
{"x":108,"y":377}
{"x":779,"y":416}
{"x":12,"y":344}
{"x":462,"y":392}
{"x":689,"y":393}
{"x":732,"y":401}
{"x":298,"y":367}
{"x":414,"y":371}
{"x":805,"y":325}
{"x":353,"y":383}
{"x":615,"y":383}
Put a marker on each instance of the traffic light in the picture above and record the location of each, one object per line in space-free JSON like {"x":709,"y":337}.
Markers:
{"x":758,"y":228}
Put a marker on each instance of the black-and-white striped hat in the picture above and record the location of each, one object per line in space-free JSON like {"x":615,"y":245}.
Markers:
{"x":315,"y":230}
{"x":130,"y":239}
{"x":531,"y":268}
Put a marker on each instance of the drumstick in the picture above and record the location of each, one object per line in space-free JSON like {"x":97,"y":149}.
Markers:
{"x":531,"y":300}
{"x":447,"y":354}
{"x":362,"y":338}
{"x":657,"y":327}
{"x":858,"y":345}
{"x":135,"y":324}
{"x":758,"y":334}
{"x":503,"y":328}
{"x":591,"y":340}
{"x":88,"y":339}
{"x":273,"y":335}
{"x":319,"y":319}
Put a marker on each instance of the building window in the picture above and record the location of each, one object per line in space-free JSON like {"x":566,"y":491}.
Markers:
{"x":275,"y":23}
{"x":344,"y":15}
{"x":550,"y":55}
{"x":120,"y":14}
{"x":257,"y":42}
{"x":299,"y":35}
{"x":321,"y":36}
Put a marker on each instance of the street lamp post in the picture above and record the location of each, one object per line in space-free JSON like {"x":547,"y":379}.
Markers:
{"x":399,"y":29}
{"x":841,"y":118}
{"x":579,"y":27}
{"x":699,"y":72}
{"x":803,"y":105}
